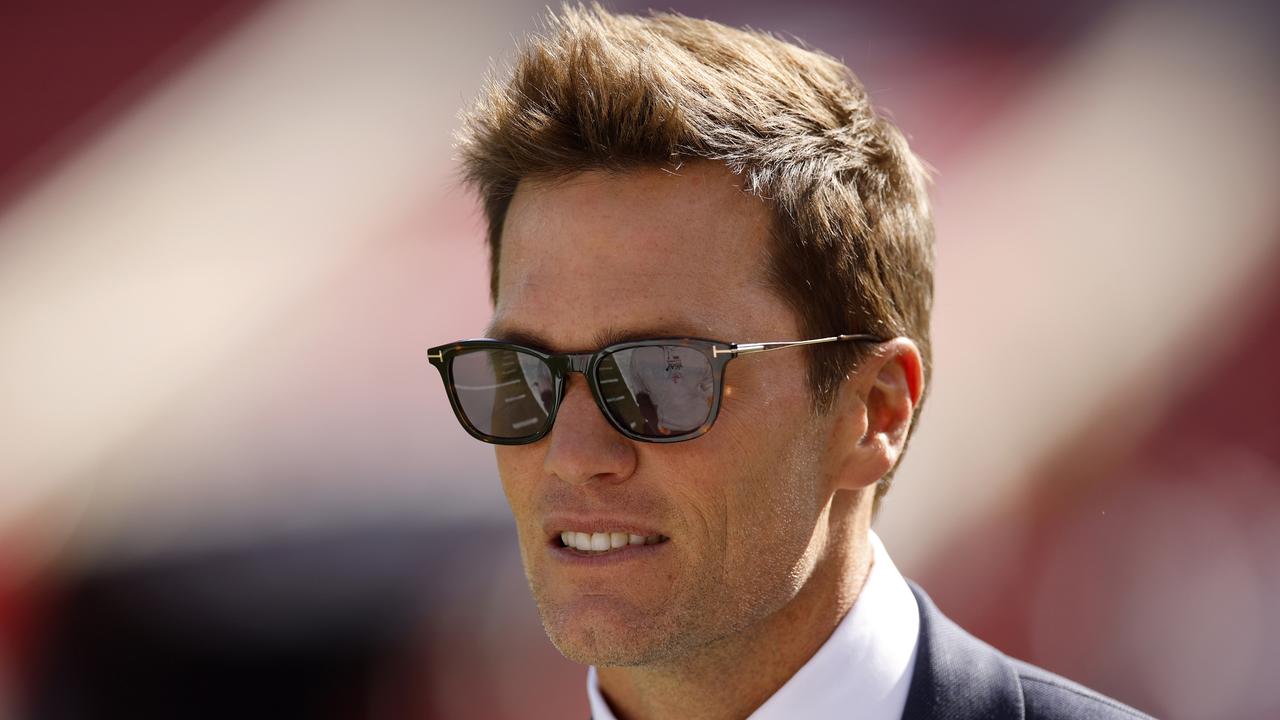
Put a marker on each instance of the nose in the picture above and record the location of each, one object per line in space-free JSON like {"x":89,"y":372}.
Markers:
{"x":582,"y":445}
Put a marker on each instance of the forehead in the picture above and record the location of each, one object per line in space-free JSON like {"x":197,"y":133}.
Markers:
{"x":646,"y":251}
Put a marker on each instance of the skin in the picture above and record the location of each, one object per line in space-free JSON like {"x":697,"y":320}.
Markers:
{"x":767,"y":514}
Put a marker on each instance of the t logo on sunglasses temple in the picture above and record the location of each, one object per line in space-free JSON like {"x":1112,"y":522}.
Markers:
{"x":657,"y":390}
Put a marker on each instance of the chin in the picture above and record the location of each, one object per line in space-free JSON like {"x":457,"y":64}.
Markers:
{"x":604,"y":634}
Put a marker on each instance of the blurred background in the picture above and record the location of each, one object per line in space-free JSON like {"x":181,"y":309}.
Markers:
{"x":231,"y":486}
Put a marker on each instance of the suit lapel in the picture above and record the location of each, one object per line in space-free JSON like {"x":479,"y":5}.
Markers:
{"x":957,"y":676}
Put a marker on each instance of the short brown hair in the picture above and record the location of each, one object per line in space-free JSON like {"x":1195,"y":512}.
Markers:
{"x":853,"y":232}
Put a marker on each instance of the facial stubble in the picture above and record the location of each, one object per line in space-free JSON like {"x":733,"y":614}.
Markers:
{"x":711,"y":603}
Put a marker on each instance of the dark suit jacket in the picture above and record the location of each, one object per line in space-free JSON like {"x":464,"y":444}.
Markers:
{"x":959,"y":677}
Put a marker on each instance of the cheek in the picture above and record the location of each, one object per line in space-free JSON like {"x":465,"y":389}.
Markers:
{"x":773,"y":499}
{"x":519,"y":470}
{"x":762,"y":424}
{"x":771,"y":551}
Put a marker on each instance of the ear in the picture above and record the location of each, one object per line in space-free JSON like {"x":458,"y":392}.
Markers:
{"x":877,"y":404}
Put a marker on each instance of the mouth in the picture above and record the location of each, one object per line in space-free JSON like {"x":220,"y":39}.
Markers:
{"x":603,"y":543}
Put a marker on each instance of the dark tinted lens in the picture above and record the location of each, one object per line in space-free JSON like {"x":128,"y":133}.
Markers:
{"x":504,"y":393}
{"x":658,"y":390}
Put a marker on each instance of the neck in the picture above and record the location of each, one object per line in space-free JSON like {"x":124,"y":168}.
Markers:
{"x":736,"y":674}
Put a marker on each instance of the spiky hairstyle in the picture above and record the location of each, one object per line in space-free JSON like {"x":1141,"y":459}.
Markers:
{"x":853,"y":232}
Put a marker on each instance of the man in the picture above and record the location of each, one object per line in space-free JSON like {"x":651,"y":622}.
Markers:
{"x":712,"y":277}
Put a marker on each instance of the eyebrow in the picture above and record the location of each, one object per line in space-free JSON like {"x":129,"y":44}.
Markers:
{"x":608,"y":336}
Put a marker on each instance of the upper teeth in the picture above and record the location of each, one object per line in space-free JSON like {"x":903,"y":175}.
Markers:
{"x":601,"y":541}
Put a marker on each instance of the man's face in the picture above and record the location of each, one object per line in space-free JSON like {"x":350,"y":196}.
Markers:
{"x":647,"y":253}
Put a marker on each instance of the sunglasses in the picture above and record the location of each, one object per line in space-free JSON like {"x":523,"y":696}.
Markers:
{"x":663,"y":390}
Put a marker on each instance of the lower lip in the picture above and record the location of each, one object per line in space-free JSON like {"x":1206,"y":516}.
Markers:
{"x":627,"y":553}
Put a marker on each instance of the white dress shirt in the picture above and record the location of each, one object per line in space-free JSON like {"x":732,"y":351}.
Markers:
{"x":862,"y":672}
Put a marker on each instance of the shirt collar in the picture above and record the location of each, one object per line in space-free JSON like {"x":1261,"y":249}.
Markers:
{"x":863,"y":671}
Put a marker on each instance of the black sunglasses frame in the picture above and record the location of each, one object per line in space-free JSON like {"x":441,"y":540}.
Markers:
{"x":718,"y":353}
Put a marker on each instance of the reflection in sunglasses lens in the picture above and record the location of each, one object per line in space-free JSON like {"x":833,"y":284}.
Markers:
{"x":658,"y":390}
{"x":503,"y":393}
